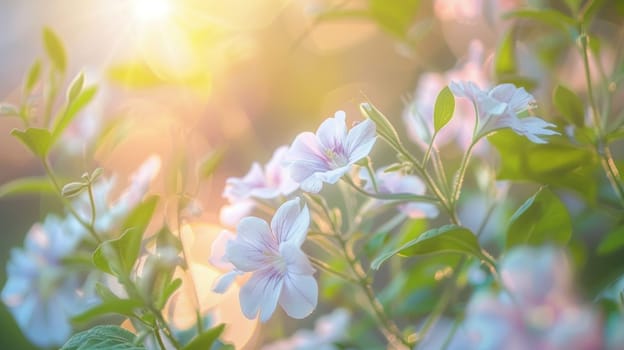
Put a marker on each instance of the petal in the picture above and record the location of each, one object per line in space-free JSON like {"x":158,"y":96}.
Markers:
{"x":231,"y":215}
{"x":290,"y":222}
{"x":332,"y":176}
{"x":223,"y":282}
{"x":304,"y":169}
{"x":248,"y":252}
{"x":299,"y":295}
{"x":333,"y":131}
{"x":261,"y":293}
{"x":312,"y":184}
{"x":217,"y":250}
{"x":360,"y":140}
{"x":295,"y":259}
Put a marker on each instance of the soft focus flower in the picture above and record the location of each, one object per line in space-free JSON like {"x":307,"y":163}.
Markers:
{"x":395,"y":183}
{"x":538,"y":311}
{"x":220,"y":261}
{"x":269,"y":182}
{"x":328,"y":155}
{"x":281,"y":272}
{"x":41,"y":292}
{"x":328,"y":330}
{"x":499,"y":108}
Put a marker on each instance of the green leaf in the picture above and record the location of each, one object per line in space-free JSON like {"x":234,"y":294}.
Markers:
{"x":505,"y":61}
{"x":558,"y":163}
{"x":71,"y":110}
{"x":612,"y":242}
{"x":167,"y":292}
{"x":384,"y":127}
{"x":444,"y":108}
{"x":119,"y":306}
{"x":134,"y":75}
{"x":210,"y":163}
{"x":395,"y":17}
{"x":569,"y":105}
{"x":27,"y":185}
{"x":543,"y":218}
{"x":103,"y":338}
{"x":75,"y":87}
{"x":445,"y":239}
{"x":73,"y":189}
{"x":37,"y":140}
{"x":34,"y":73}
{"x":546,"y":16}
{"x":55,"y":50}
{"x":205,"y":340}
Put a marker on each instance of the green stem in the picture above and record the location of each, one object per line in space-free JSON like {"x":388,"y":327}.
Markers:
{"x":326,"y":267}
{"x":92,"y":202}
{"x":461,"y":174}
{"x":390,"y":196}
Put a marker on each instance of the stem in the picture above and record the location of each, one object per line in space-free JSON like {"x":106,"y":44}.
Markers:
{"x":326,"y":267}
{"x":602,"y":147}
{"x":92,"y":202}
{"x":461,"y":174}
{"x":391,"y":196}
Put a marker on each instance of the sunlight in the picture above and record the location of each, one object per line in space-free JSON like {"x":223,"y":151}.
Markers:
{"x":151,"y":10}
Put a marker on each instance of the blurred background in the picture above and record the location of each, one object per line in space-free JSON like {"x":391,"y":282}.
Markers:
{"x":185,"y":78}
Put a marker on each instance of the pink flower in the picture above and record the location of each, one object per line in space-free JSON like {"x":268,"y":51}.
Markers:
{"x":328,"y":155}
{"x":281,"y":272}
{"x":499,"y":108}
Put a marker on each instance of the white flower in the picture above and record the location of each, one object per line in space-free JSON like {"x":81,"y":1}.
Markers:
{"x":499,"y":108}
{"x":281,"y":272}
{"x":40,"y":292}
{"x":328,"y":155}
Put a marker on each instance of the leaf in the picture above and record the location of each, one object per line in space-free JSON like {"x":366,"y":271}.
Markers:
{"x":395,"y":17}
{"x":75,"y":87}
{"x":543,"y":218}
{"x":505,"y":61}
{"x":558,"y":163}
{"x":212,"y":161}
{"x":71,"y":110}
{"x":119,"y":306}
{"x":34,"y":73}
{"x":384,"y":127}
{"x":134,"y":75}
{"x":27,"y":185}
{"x":55,"y":50}
{"x":445,"y":239}
{"x":569,"y":105}
{"x":545,"y":16}
{"x":73,"y":189}
{"x":103,"y":338}
{"x":612,"y":242}
{"x":167,"y":292}
{"x":205,"y":340}
{"x":444,"y":108}
{"x":37,"y":140}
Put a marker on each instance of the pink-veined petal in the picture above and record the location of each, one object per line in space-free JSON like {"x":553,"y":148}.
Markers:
{"x":290,"y":222}
{"x":299,"y":295}
{"x":223,"y":282}
{"x":312,"y":184}
{"x":261,"y":293}
{"x":295,"y":259}
{"x":360,"y":140}
{"x":248,"y":252}
{"x":333,"y":131}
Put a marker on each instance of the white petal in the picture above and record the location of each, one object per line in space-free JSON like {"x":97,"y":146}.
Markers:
{"x":296,"y":260}
{"x":223,"y":282}
{"x":231,"y":215}
{"x":312,"y":184}
{"x":360,"y":140}
{"x":333,"y":131}
{"x":290,"y":222}
{"x":248,"y":252}
{"x":217,"y":250}
{"x":299,"y":295}
{"x":260,"y":294}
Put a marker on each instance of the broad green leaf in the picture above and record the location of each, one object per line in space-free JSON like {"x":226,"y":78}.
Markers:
{"x":505,"y":61}
{"x":546,"y":16}
{"x":167,"y":292}
{"x":103,"y":338}
{"x":71,"y":110}
{"x":27,"y":185}
{"x":205,"y":340}
{"x":55,"y":50}
{"x":612,"y":242}
{"x":134,"y":75}
{"x":37,"y":140}
{"x":591,"y":10}
{"x":119,"y":306}
{"x":543,"y":218}
{"x":210,"y":163}
{"x":569,"y":105}
{"x":443,"y":109}
{"x":445,"y":239}
{"x":34,"y":73}
{"x":384,"y":127}
{"x":75,"y":87}
{"x":558,"y":163}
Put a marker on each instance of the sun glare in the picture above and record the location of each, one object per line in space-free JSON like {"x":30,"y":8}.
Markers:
{"x":151,"y":10}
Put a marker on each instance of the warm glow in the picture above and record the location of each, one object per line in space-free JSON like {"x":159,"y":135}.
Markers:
{"x":151,"y":10}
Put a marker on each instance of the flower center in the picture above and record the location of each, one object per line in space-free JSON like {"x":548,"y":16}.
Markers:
{"x":336,"y":159}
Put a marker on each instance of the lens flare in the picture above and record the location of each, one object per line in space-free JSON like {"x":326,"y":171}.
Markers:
{"x":151,"y":10}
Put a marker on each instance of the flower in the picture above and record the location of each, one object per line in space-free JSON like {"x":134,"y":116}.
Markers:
{"x":41,"y":292}
{"x":499,"y":108}
{"x":539,"y":311}
{"x":395,"y":183}
{"x":328,"y":155}
{"x":328,"y":330}
{"x":281,"y":272}
{"x":269,"y":182}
